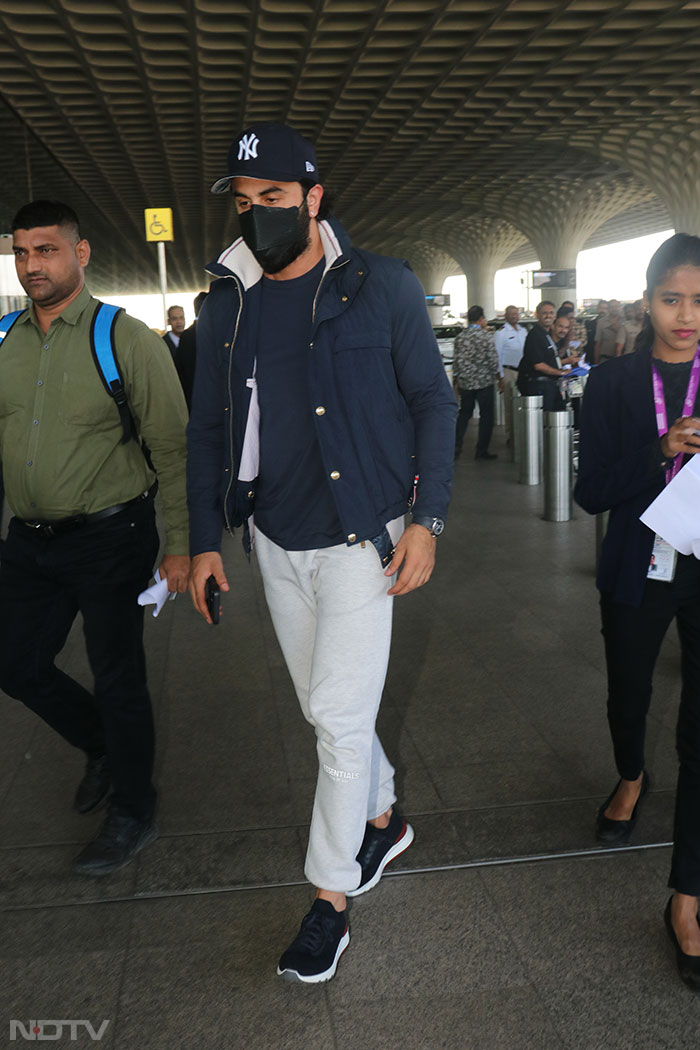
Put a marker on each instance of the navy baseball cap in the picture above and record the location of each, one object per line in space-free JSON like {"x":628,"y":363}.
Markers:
{"x":269,"y":151}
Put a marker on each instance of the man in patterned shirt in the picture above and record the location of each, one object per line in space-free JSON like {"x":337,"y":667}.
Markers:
{"x":475,"y":372}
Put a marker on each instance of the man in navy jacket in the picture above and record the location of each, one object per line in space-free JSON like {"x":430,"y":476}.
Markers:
{"x":322,"y":411}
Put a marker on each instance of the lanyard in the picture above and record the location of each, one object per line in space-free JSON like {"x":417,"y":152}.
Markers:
{"x":688,"y":406}
{"x":553,"y":346}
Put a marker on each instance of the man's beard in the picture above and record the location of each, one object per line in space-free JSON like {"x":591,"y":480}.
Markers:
{"x":45,"y":294}
{"x":276,"y":258}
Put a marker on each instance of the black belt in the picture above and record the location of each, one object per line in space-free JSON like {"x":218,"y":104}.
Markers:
{"x":512,"y":368}
{"x":50,"y":529}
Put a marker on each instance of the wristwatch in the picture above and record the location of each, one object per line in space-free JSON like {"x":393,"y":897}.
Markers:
{"x":434,"y":525}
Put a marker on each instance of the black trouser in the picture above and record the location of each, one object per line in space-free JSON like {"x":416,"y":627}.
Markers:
{"x":548,"y":389}
{"x":633,"y":637}
{"x":468,"y":398}
{"x":97,"y":570}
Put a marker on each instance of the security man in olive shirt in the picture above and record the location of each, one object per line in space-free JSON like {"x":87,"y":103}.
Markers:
{"x":84,"y":538}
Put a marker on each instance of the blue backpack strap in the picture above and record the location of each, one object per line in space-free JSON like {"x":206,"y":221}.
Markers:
{"x":7,"y":321}
{"x":105,"y":357}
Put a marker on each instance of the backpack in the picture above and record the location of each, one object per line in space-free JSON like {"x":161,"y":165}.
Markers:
{"x":105,"y":358}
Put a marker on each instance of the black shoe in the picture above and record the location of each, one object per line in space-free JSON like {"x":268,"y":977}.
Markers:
{"x":313,"y":954}
{"x":688,"y":965}
{"x":616,"y":831}
{"x":379,"y":847}
{"x":486,"y":455}
{"x":95,"y":787}
{"x":118,"y":841}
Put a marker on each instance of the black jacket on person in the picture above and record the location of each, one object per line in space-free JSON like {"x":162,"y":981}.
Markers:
{"x":170,"y":344}
{"x":184,"y":358}
{"x":621,"y":469}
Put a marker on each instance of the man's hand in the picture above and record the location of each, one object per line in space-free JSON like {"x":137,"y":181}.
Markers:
{"x":415,"y":556}
{"x":681,"y":437}
{"x":175,"y":568}
{"x":203,"y":566}
{"x":501,"y":384}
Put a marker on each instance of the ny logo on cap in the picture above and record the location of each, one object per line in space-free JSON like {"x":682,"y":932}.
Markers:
{"x":248,"y":147}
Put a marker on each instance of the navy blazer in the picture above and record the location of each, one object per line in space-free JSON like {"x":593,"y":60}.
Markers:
{"x":621,"y":469}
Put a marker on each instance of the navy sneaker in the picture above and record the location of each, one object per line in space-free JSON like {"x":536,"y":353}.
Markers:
{"x":313,"y":954}
{"x":379,"y":847}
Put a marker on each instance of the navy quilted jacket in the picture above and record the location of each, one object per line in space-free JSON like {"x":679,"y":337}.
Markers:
{"x":382,"y":406}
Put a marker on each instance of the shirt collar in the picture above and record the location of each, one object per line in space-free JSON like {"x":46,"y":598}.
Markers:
{"x":72,"y":313}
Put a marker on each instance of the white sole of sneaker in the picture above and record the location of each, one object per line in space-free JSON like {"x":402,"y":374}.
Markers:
{"x":396,"y":850}
{"x":316,"y":978}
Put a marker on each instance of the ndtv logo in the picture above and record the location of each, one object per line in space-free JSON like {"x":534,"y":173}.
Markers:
{"x":37,"y":1030}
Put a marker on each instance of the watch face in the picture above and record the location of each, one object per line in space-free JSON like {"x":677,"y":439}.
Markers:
{"x":438,"y":526}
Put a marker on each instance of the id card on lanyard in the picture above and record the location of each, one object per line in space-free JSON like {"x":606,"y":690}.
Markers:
{"x":662,"y":565}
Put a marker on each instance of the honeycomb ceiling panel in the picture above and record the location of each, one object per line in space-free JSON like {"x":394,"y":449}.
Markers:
{"x":429,"y":116}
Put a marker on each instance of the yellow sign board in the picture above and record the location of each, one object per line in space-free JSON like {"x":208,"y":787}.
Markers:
{"x":159,"y":224}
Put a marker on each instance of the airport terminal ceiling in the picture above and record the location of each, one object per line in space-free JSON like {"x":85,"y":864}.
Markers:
{"x":443,"y":127}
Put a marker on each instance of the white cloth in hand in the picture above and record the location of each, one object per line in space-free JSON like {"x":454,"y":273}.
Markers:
{"x":157,"y":593}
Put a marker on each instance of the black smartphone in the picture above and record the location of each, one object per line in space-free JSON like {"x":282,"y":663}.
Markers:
{"x":212,"y":596}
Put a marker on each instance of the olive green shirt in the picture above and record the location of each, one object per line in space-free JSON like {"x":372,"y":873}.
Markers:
{"x":61,"y":445}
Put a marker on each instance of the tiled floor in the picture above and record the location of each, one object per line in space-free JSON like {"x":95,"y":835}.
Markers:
{"x":503,"y":928}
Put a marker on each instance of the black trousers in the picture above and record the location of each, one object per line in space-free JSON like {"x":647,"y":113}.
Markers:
{"x":548,"y":389}
{"x":633,"y":637}
{"x":97,"y":570}
{"x":468,"y":398}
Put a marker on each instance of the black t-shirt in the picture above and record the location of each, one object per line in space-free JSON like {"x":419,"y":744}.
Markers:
{"x":675,"y":376}
{"x":539,"y":349}
{"x":293,"y":506}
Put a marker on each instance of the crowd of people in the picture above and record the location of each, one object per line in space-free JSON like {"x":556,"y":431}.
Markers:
{"x":321,"y":419}
{"x":534,"y":360}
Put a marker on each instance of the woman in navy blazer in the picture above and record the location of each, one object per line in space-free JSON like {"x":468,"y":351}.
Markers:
{"x":640,"y":421}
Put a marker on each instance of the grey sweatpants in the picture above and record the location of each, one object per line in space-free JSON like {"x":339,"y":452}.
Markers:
{"x":332,"y":617}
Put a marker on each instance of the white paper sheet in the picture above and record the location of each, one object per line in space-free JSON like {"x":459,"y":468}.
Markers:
{"x":156,"y":594}
{"x":675,"y":513}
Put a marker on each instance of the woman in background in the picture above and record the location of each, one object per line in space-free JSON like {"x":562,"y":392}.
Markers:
{"x":639,"y":423}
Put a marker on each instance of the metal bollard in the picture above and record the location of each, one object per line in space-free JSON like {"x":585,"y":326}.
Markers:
{"x":515,"y":436}
{"x":499,"y":414}
{"x":558,"y":448}
{"x":531,"y":440}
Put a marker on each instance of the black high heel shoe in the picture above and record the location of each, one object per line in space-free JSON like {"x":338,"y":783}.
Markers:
{"x":688,"y":965}
{"x":613,"y":832}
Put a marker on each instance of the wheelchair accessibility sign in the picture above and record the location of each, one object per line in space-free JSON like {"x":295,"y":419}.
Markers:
{"x":159,"y":224}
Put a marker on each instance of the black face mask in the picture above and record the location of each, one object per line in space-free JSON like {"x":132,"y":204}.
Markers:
{"x":275,"y":236}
